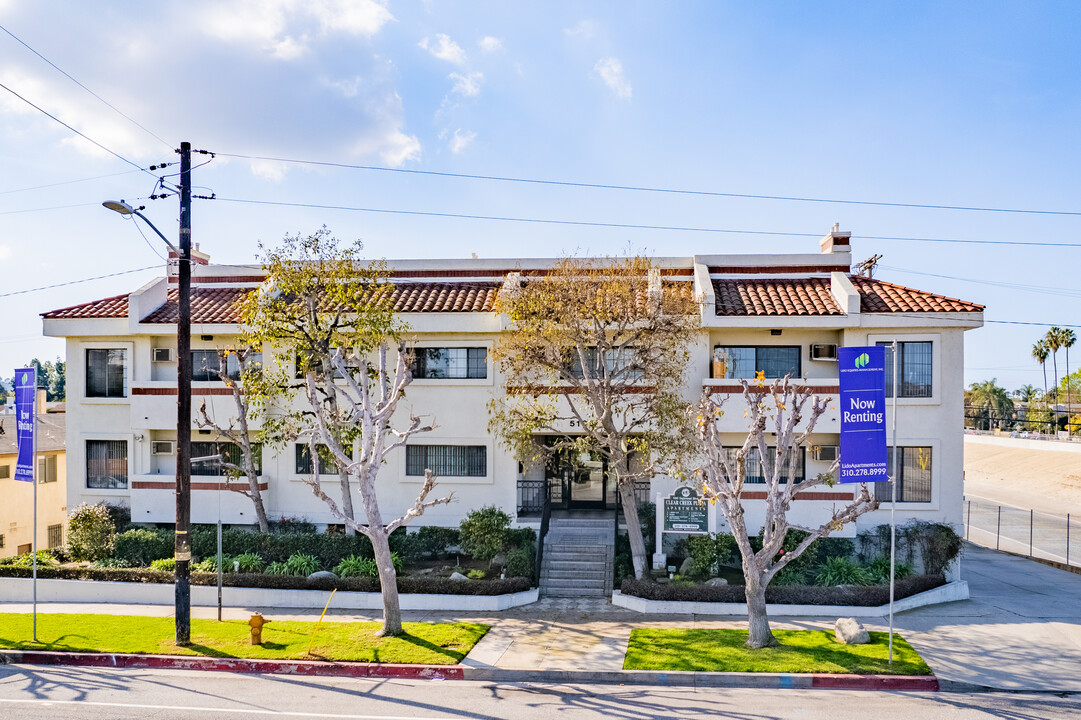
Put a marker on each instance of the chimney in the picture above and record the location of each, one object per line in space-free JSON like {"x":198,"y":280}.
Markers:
{"x":836,"y":241}
{"x":41,"y":399}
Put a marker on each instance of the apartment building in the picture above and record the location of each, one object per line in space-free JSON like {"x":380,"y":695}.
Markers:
{"x":772,"y":313}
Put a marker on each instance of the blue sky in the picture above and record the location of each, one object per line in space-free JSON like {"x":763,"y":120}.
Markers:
{"x":975,"y":104}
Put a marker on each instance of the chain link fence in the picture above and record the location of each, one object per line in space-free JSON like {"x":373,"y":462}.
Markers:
{"x":1025,"y":532}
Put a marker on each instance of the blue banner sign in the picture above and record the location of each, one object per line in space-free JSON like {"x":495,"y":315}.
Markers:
{"x":26,"y":388}
{"x":863,"y":414}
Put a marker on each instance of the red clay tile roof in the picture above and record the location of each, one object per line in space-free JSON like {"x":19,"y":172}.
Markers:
{"x":218,"y":305}
{"x":877,"y":296}
{"x":111,"y":307}
{"x":812,"y":296}
{"x":809,"y":296}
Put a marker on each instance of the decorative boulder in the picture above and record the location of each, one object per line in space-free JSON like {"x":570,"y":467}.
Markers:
{"x":850,"y":631}
{"x":498,"y":560}
{"x":687,"y":567}
{"x":458,"y":576}
{"x":716,"y":582}
{"x":323,"y":575}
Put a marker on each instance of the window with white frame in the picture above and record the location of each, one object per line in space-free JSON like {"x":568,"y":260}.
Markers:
{"x":746,"y":361}
{"x":47,"y":470}
{"x":619,"y":362}
{"x":206,"y":365}
{"x":756,"y":473}
{"x":914,"y":377}
{"x":447,"y":460}
{"x":327,"y":464}
{"x":106,"y":464}
{"x":106,"y":373}
{"x":450,"y":363}
{"x":227,"y":451}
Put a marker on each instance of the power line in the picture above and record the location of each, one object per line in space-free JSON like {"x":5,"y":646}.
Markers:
{"x":76,"y":282}
{"x":65,"y":182}
{"x":54,"y":207}
{"x":69,"y":127}
{"x":1064,"y":292}
{"x":643,"y":188}
{"x":625,"y":226}
{"x":84,"y":87}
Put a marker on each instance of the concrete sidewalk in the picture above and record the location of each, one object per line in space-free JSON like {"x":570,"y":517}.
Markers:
{"x":1020,"y":630}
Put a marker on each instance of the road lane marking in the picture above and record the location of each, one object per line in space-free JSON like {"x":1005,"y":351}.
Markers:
{"x":232,"y":711}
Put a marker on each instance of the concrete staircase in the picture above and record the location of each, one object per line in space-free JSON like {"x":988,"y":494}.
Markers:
{"x":578,"y":556}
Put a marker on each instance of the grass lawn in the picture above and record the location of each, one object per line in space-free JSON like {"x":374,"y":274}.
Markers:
{"x":423,"y":643}
{"x":800,"y":651}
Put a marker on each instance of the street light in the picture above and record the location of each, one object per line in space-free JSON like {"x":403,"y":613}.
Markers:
{"x":182,"y":541}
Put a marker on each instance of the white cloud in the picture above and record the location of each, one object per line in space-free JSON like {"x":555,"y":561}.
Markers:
{"x":5,"y":252}
{"x":268,"y":170}
{"x":443,"y":48}
{"x":461,"y":140}
{"x":399,"y":148}
{"x":610,"y":71}
{"x":468,"y":84}
{"x":490,"y":44}
{"x":286,"y":28}
{"x":585,"y":30}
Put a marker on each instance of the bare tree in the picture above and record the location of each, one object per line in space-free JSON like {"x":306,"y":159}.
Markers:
{"x":594,"y":361}
{"x":789,"y":413}
{"x":244,"y":390}
{"x":370,"y":400}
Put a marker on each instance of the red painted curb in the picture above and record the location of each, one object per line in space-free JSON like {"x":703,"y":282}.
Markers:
{"x":927,"y":683}
{"x":237,"y":665}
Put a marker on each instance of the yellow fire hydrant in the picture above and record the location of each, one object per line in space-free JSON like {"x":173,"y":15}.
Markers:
{"x":257,"y":622}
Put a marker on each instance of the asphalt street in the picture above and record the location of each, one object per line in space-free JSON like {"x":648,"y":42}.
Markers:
{"x":40,"y":693}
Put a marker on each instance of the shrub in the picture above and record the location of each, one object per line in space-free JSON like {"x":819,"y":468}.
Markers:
{"x":278,"y":547}
{"x":91,"y":532}
{"x":842,"y":571}
{"x":872,"y":596}
{"x":142,"y":547}
{"x":520,"y":537}
{"x":406,"y":544}
{"x":120,"y":515}
{"x":249,"y":563}
{"x":301,"y":564}
{"x":623,"y":567}
{"x":484,"y":531}
{"x":210,"y":564}
{"x":276,"y":568}
{"x":110,"y":563}
{"x":520,"y":562}
{"x":355,"y":566}
{"x":289,"y":525}
{"x":709,"y":552}
{"x":434,"y":541}
{"x":879,"y":570}
{"x":164,"y":565}
{"x":26,"y":560}
{"x":397,"y":562}
{"x":475,"y":575}
{"x":938,"y":544}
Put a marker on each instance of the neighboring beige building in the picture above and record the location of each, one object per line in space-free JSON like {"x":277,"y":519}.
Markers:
{"x":775,"y":313}
{"x":17,"y":498}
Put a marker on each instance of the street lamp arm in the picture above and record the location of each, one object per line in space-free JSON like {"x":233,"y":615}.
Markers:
{"x":124,"y":209}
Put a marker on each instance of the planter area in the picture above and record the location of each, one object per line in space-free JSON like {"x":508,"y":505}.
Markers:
{"x":948,"y":592}
{"x":19,"y":590}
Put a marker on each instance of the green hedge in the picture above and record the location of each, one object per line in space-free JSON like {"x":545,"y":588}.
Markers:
{"x":872,"y":596}
{"x":417,"y":585}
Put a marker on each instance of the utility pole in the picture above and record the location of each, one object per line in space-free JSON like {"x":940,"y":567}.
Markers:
{"x":182,"y":547}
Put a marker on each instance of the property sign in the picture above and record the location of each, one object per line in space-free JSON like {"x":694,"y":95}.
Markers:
{"x":863,"y":414}
{"x":26,"y":388}
{"x":685,"y":513}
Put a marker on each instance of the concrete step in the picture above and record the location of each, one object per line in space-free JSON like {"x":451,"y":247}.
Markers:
{"x":580,"y":544}
{"x":580,"y":522}
{"x":585,"y":577}
{"x":572,"y":583}
{"x":575,"y":592}
{"x":562,"y":563}
{"x":573,"y":556}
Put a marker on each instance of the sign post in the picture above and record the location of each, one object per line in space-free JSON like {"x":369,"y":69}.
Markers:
{"x":26,"y":416}
{"x":864,"y":455}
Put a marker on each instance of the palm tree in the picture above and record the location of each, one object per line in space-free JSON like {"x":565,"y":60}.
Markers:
{"x":1067,"y":338}
{"x":994,"y":399}
{"x":1027,"y":393}
{"x":1040,"y":351}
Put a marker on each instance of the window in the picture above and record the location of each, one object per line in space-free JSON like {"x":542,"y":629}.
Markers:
{"x":327,"y":464}
{"x":302,"y":363}
{"x":754,"y":466}
{"x":55,"y":536}
{"x":447,"y":460}
{"x":616,"y":360}
{"x":450,"y":363}
{"x":744,"y":362}
{"x":206,"y":364}
{"x":47,"y":469}
{"x":106,"y":376}
{"x":1,"y":540}
{"x":5,"y":472}
{"x":914,"y":372}
{"x":107,"y":464}
{"x":230,"y":452}
{"x":913,"y":473}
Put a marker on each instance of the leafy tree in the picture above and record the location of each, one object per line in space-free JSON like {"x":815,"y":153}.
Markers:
{"x":318,"y":300}
{"x":774,"y":413}
{"x":51,"y":376}
{"x":594,"y":360}
{"x":1067,"y":338}
{"x":1027,"y":393}
{"x":1040,"y":352}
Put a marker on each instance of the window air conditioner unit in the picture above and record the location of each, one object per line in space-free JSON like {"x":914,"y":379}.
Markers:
{"x":824,"y":352}
{"x":824,"y":453}
{"x":161,"y":447}
{"x":163,"y":355}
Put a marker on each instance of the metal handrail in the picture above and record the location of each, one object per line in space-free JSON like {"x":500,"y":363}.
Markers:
{"x":546,"y":519}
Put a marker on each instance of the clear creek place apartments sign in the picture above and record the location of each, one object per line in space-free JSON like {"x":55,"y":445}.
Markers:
{"x":685,"y":513}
